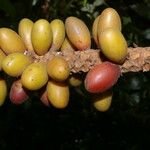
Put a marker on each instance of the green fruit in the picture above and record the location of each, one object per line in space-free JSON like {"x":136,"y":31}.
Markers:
{"x":113,"y":45}
{"x":2,"y":56}
{"x":58,"y":68}
{"x":58,"y":94}
{"x":78,"y":33}
{"x":109,"y":18}
{"x":3,"y":91}
{"x":41,"y":36}
{"x":10,"y":41}
{"x":67,"y":46}
{"x":58,"y":31}
{"x":95,"y":30}
{"x":102,"y":101}
{"x":24,"y":30}
{"x":15,"y":63}
{"x":34,"y":76}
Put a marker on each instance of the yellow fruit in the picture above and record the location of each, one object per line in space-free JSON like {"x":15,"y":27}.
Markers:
{"x":75,"y":80}
{"x":34,"y":76}
{"x":24,"y":30}
{"x":113,"y":45}
{"x":3,"y":91}
{"x":67,"y":46}
{"x":2,"y":56}
{"x":109,"y":18}
{"x":78,"y":33}
{"x":15,"y":63}
{"x":58,"y":68}
{"x":102,"y":101}
{"x":10,"y":41}
{"x":41,"y":36}
{"x":58,"y":94}
{"x":95,"y":30}
{"x":58,"y":31}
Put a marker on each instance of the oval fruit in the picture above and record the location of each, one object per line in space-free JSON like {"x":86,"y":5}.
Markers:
{"x":58,"y":32}
{"x":109,"y":18}
{"x":75,"y":80}
{"x":17,"y":94}
{"x":113,"y":45}
{"x":3,"y":91}
{"x":10,"y":41}
{"x":102,"y":101}
{"x":41,"y":36}
{"x":15,"y":63}
{"x":78,"y":33}
{"x":2,"y":56}
{"x":67,"y":46}
{"x":24,"y":30}
{"x":58,"y":68}
{"x":58,"y":94}
{"x":102,"y":77}
{"x":95,"y":30}
{"x":34,"y":76}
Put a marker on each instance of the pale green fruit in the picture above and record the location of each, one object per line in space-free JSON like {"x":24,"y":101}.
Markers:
{"x":58,"y":94}
{"x":41,"y":36}
{"x":24,"y":30}
{"x":10,"y":41}
{"x":58,"y":31}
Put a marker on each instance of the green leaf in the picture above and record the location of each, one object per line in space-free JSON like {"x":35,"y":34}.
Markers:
{"x":98,"y":2}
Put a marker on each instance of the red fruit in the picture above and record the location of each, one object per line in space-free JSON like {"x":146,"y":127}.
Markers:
{"x":44,"y":99}
{"x":102,"y":77}
{"x":17,"y":93}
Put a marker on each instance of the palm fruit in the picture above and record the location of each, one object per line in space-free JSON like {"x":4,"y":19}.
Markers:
{"x":78,"y":33}
{"x":10,"y":41}
{"x":41,"y":36}
{"x":24,"y":30}
{"x":34,"y":76}
{"x":58,"y":31}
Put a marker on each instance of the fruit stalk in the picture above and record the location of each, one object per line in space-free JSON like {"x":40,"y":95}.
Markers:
{"x":138,"y":59}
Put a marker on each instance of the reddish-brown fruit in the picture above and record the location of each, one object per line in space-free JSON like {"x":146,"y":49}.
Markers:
{"x":17,"y":93}
{"x":44,"y":99}
{"x":102,"y":77}
{"x":78,"y":33}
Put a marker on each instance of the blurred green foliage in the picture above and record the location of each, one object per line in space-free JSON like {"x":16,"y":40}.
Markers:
{"x":125,"y":126}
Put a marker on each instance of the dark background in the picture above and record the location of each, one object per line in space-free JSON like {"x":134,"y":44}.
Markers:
{"x":125,"y":126}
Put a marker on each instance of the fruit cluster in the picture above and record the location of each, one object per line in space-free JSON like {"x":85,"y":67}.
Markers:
{"x":22,"y":54}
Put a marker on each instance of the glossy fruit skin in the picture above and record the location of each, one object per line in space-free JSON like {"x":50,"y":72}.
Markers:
{"x":2,"y":56}
{"x":24,"y":30}
{"x":113,"y":45}
{"x":3,"y":91}
{"x":95,"y":30}
{"x":109,"y":18}
{"x":78,"y":33}
{"x":58,"y":31}
{"x":58,"y":68}
{"x":18,"y":94}
{"x":67,"y":46}
{"x":10,"y":41}
{"x":41,"y":36}
{"x":34,"y":76}
{"x":15,"y":63}
{"x":58,"y":94}
{"x":102,"y":77}
{"x":102,"y":101}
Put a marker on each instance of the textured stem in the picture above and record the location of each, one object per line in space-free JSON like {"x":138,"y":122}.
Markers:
{"x":138,"y":59}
